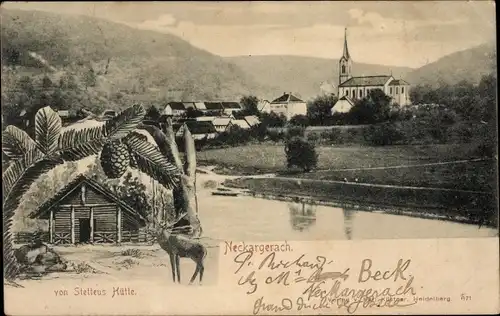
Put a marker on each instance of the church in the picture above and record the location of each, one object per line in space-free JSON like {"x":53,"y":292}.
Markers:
{"x":352,"y":88}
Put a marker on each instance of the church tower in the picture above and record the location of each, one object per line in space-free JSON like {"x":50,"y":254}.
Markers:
{"x":345,"y":63}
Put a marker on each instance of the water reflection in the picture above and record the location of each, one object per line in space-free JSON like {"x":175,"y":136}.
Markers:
{"x":302,"y":215}
{"x":348,"y":220}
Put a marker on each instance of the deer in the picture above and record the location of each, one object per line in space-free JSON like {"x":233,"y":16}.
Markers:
{"x":177,"y":243}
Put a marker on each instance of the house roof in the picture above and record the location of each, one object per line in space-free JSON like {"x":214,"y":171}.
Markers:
{"x":74,"y":185}
{"x":188,"y":105}
{"x":200,"y":127}
{"x":231,"y":105}
{"x":240,"y":123}
{"x":176,"y":105}
{"x":221,"y":121}
{"x":200,"y":105}
{"x":252,"y":120}
{"x":286,"y":98}
{"x":366,"y":81}
{"x":214,"y":106}
{"x":398,"y":82}
{"x":205,"y":118}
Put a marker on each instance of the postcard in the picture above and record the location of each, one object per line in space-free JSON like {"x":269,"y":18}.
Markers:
{"x":250,"y":158}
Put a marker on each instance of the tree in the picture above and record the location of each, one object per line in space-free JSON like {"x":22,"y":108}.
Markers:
{"x":153,"y":113}
{"x":272,"y":119}
{"x":46,"y":82}
{"x":300,"y":153}
{"x":487,"y":91}
{"x":249,"y":104}
{"x":299,"y":120}
{"x":319,"y":110}
{"x":29,"y":159}
{"x":90,"y":78}
{"x":373,"y":108}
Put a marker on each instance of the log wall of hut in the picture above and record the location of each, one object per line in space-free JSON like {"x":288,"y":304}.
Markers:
{"x":105,"y":216}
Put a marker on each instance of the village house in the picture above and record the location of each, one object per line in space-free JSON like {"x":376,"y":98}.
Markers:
{"x":221,"y":124}
{"x":252,"y":120}
{"x":199,"y":129}
{"x":84,"y":211}
{"x":288,"y":105}
{"x":264,"y":106}
{"x":174,"y":109}
{"x":357,"y":88}
{"x":205,"y":118}
{"x":214,"y":107}
{"x":230,"y":107}
{"x":240,"y":123}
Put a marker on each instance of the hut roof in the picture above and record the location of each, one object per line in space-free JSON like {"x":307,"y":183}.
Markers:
{"x":74,"y":185}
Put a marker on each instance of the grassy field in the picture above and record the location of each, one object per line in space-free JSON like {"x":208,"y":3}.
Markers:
{"x":474,"y":176}
{"x":271,"y":158}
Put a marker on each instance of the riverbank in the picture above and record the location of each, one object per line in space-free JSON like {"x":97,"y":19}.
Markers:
{"x":463,"y":206}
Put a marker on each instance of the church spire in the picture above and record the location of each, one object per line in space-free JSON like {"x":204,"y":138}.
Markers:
{"x":346,"y":50}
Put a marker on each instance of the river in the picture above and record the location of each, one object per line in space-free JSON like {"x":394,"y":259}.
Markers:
{"x":248,"y":218}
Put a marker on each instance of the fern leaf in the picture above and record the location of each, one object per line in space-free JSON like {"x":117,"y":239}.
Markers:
{"x":121,"y":125}
{"x":151,"y":161}
{"x":17,"y":179}
{"x":16,"y":169}
{"x":47,"y":129}
{"x":167,"y":145}
{"x":16,"y":142}
{"x":78,"y":144}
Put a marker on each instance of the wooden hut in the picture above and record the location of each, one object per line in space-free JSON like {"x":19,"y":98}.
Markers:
{"x":86,"y":212}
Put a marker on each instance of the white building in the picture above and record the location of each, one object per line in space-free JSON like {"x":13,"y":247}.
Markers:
{"x":343,"y":105}
{"x":264,"y":106}
{"x":289,"y":105}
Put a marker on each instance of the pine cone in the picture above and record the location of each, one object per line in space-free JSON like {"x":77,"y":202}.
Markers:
{"x":115,"y":159}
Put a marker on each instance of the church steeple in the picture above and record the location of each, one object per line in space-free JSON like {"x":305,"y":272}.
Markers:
{"x":346,"y":49}
{"x":345,"y":62}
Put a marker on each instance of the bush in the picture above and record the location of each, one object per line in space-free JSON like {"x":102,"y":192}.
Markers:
{"x":276,"y":135}
{"x":295,"y":131}
{"x":300,"y":153}
{"x":313,"y":137}
{"x":383,"y":134}
{"x":299,"y":120}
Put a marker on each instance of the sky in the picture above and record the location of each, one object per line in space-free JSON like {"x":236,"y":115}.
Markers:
{"x":403,"y":33}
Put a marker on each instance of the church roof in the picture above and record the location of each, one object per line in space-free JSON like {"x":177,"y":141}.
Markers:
{"x":398,"y":82}
{"x":286,"y":98}
{"x":366,"y":81}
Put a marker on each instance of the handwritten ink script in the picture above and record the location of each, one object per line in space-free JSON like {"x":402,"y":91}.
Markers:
{"x":321,"y":283}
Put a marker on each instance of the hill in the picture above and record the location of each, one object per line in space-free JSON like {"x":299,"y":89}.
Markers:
{"x":114,"y":62}
{"x":304,"y":75}
{"x":470,"y":65}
